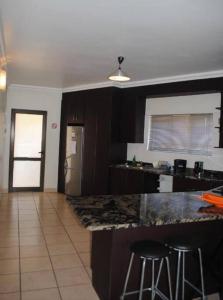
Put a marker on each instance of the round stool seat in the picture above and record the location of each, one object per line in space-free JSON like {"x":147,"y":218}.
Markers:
{"x":185,"y":243}
{"x":149,"y":249}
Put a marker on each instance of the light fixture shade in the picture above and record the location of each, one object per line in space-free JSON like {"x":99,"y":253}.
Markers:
{"x":2,"y":80}
{"x":119,"y":75}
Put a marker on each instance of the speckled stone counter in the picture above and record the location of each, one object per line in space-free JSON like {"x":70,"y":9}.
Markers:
{"x":130,"y":211}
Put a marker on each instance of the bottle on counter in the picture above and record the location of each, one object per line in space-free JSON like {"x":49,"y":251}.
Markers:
{"x":134,"y":161}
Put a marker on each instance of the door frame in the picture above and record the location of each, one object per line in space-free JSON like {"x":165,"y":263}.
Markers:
{"x":11,"y":152}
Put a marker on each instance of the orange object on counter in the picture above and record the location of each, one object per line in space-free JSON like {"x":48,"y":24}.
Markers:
{"x":213,"y":199}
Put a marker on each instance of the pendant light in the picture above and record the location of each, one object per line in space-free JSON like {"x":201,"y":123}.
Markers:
{"x":119,"y":75}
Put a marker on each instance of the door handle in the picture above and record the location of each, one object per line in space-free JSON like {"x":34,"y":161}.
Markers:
{"x":41,"y":152}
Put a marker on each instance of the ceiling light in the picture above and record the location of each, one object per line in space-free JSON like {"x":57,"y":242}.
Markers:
{"x":119,"y":75}
{"x":2,"y":80}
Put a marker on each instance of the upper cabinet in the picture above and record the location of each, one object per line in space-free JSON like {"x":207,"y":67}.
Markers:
{"x":73,"y":106}
{"x":132,"y":117}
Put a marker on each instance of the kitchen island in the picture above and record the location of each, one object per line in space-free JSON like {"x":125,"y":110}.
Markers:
{"x":118,"y":221}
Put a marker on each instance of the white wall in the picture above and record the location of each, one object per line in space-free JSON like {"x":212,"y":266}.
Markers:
{"x":37,"y":98}
{"x":205,"y":103}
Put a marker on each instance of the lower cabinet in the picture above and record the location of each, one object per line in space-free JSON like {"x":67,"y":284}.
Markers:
{"x":181,"y":184}
{"x":130,"y":181}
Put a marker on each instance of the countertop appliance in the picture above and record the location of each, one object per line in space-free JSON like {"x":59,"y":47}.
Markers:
{"x":180,"y":165}
{"x":73,"y":161}
{"x":198,"y":168}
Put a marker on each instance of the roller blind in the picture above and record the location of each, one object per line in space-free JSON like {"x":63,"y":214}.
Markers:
{"x":186,"y":133}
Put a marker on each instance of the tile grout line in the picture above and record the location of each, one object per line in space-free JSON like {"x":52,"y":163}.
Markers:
{"x":54,"y":273}
{"x":20,"y":273}
{"x":85,"y":267}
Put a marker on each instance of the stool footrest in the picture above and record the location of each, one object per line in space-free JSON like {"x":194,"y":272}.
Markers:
{"x":157,"y":291}
{"x":193,"y":286}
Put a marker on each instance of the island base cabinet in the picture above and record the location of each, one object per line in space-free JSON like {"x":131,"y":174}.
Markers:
{"x":110,"y":258}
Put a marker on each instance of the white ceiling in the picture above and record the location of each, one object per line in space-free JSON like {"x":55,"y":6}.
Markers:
{"x":62,"y":43}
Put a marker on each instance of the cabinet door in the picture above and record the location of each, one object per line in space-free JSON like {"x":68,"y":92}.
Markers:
{"x":75,"y":109}
{"x":132,"y":118}
{"x":134,"y":182}
{"x":151,"y":183}
{"x":118,"y":181}
{"x":126,"y":181}
{"x":188,"y":184}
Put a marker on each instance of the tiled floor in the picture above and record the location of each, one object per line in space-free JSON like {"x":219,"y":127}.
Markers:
{"x":44,"y":251}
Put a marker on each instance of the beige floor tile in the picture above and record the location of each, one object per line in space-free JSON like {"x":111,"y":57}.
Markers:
{"x":31,"y":231}
{"x":28,"y":212}
{"x":56,"y":249}
{"x":54,"y":230}
{"x":33,"y":264}
{"x":49,"y":217}
{"x":28,"y":217}
{"x":38,"y":280}
{"x":83,"y":247}
{"x":56,"y":239}
{"x":33,"y":251}
{"x":9,"y":252}
{"x":89,"y":271}
{"x":80,"y":236}
{"x":32,"y":240}
{"x":86,"y":259}
{"x":46,"y":294}
{"x":68,"y":221}
{"x":9,"y":266}
{"x":29,"y":224}
{"x":74,"y":229}
{"x":10,"y":296}
{"x":9,"y":231}
{"x":8,"y":225}
{"x":9,"y":234}
{"x":9,"y":241}
{"x":80,"y":292}
{"x":51,"y":223}
{"x":74,"y":276}
{"x":9,"y":283}
{"x":65,"y":261}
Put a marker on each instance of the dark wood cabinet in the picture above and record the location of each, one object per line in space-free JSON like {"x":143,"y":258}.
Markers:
{"x":182,"y":184}
{"x":98,"y":111}
{"x":133,"y":117}
{"x":74,"y":107}
{"x":132,"y":181}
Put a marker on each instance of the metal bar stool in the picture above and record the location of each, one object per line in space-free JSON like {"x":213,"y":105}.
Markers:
{"x":149,"y":251}
{"x":183,"y":245}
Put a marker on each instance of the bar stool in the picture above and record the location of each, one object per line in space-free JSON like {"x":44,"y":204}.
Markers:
{"x":149,"y":251}
{"x":183,"y":245}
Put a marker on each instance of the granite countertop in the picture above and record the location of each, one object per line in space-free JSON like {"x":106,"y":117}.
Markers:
{"x":126,"y":211}
{"x":207,"y":175}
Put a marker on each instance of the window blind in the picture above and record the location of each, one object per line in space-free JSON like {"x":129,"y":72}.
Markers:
{"x":186,"y":133}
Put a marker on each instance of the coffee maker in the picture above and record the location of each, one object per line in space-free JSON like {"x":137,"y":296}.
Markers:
{"x":198,"y":168}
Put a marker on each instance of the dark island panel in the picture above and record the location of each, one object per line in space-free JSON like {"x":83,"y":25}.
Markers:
{"x":110,"y":257}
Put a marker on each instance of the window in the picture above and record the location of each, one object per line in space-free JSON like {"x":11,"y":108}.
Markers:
{"x":185,"y":133}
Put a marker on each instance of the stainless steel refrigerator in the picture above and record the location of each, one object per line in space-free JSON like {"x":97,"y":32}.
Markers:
{"x":74,"y":159}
